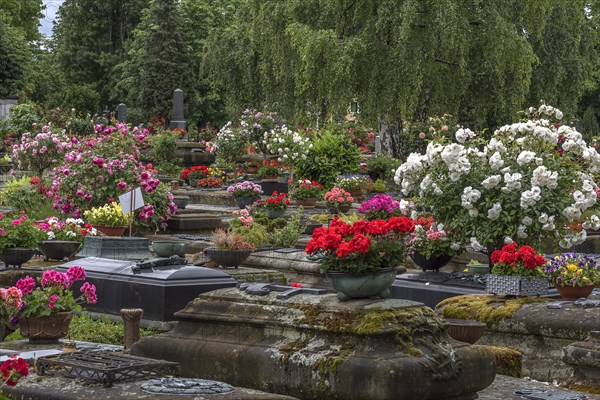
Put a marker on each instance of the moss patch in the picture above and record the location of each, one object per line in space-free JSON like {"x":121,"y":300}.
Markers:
{"x":508,"y":361}
{"x":404,"y":324}
{"x":484,"y":308}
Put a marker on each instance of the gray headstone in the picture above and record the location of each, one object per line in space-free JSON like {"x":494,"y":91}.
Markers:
{"x":6,"y":104}
{"x":122,"y":113}
{"x":377,"y":144}
{"x":177,"y":120}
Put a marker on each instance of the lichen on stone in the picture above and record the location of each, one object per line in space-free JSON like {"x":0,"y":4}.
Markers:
{"x":484,"y":308}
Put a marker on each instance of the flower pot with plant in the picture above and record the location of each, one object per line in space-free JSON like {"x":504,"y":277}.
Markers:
{"x":275,"y":205}
{"x":355,"y":184}
{"x":429,"y":244}
{"x":245,"y":193}
{"x":63,"y":237}
{"x":194,"y":174}
{"x":18,"y":239}
{"x":360,"y":258}
{"x":269,"y":171}
{"x":43,"y":310}
{"x":517,"y":271}
{"x":305,"y":192}
{"x":108,"y":219}
{"x":338,"y":200}
{"x":382,"y":206}
{"x":574,"y":275}
{"x":230,"y":249}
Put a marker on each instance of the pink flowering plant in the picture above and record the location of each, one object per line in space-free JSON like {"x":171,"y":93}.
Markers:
{"x":51,"y":294}
{"x":19,"y":232}
{"x":337,"y":198}
{"x":40,"y":151}
{"x":100,"y":168}
{"x":245,"y":189}
{"x":429,"y":239}
{"x":383,"y":206}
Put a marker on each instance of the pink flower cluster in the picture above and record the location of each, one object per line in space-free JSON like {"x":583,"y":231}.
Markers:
{"x":244,"y":217}
{"x":55,"y":278}
{"x":337,"y":195}
{"x":89,"y":291}
{"x":11,"y":298}
{"x":26,"y":285}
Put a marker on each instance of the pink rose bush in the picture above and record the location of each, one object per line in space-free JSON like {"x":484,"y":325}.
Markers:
{"x":40,"y":151}
{"x":98,"y":169}
{"x":49,"y":295}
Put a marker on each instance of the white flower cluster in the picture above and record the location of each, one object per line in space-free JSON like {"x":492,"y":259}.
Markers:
{"x":523,"y":172}
{"x":289,"y":145}
{"x":462,"y":135}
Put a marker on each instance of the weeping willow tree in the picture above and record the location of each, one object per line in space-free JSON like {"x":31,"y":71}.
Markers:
{"x":402,"y":59}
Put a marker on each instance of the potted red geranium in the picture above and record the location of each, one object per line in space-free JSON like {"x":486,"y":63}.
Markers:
{"x":517,"y":271}
{"x":275,"y":205}
{"x":360,"y":258}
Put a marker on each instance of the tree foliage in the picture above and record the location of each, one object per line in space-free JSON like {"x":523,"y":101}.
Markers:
{"x":402,"y":59}
{"x":23,"y":16}
{"x":14,"y":60}
{"x":90,"y":38}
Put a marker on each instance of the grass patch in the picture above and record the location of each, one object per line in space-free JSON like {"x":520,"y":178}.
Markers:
{"x":87,"y":329}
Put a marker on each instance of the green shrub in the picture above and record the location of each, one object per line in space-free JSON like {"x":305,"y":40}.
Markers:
{"x":22,"y":196}
{"x":288,"y":235}
{"x":330,"y":156}
{"x":22,"y":116}
{"x":382,"y":167}
{"x":164,"y":146}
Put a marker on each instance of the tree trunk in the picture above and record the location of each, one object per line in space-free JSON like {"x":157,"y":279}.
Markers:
{"x":390,"y":130}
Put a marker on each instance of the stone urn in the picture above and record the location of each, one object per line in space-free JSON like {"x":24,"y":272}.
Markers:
{"x":227,"y":258}
{"x":362,"y":285}
{"x":46,"y":329}
{"x":339,"y":208}
{"x":181,"y":201}
{"x":16,"y":256}
{"x":61,"y":250}
{"x":243,"y":202}
{"x":168,"y":248}
{"x":274,"y":214}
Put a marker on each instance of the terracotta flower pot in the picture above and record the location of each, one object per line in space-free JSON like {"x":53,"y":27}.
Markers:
{"x":111,"y":230}
{"x":306,"y":203}
{"x":45,"y":329}
{"x":573,"y":293}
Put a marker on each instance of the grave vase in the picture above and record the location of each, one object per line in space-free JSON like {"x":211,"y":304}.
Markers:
{"x":16,"y":256}
{"x":60,"y":250}
{"x":47,"y":328}
{"x":362,"y":285}
{"x":433,"y":262}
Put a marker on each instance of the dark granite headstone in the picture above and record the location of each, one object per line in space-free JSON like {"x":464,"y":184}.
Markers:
{"x":122,"y":113}
{"x":177,"y":120}
{"x":159,"y":288}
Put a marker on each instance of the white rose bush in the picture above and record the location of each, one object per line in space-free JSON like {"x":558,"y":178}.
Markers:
{"x":289,"y":146}
{"x":532,"y":180}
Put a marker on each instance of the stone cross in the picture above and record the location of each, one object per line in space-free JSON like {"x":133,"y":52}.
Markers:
{"x":122,"y":113}
{"x":177,"y":120}
{"x":377,"y":144}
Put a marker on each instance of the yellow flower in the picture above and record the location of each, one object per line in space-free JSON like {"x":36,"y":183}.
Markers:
{"x":572,"y":267}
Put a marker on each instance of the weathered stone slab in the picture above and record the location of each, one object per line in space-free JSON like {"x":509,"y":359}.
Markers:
{"x":362,"y":349}
{"x":528,"y":325}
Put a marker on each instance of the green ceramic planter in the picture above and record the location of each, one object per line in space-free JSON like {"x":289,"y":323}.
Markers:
{"x":167,"y":248}
{"x":363,"y":285}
